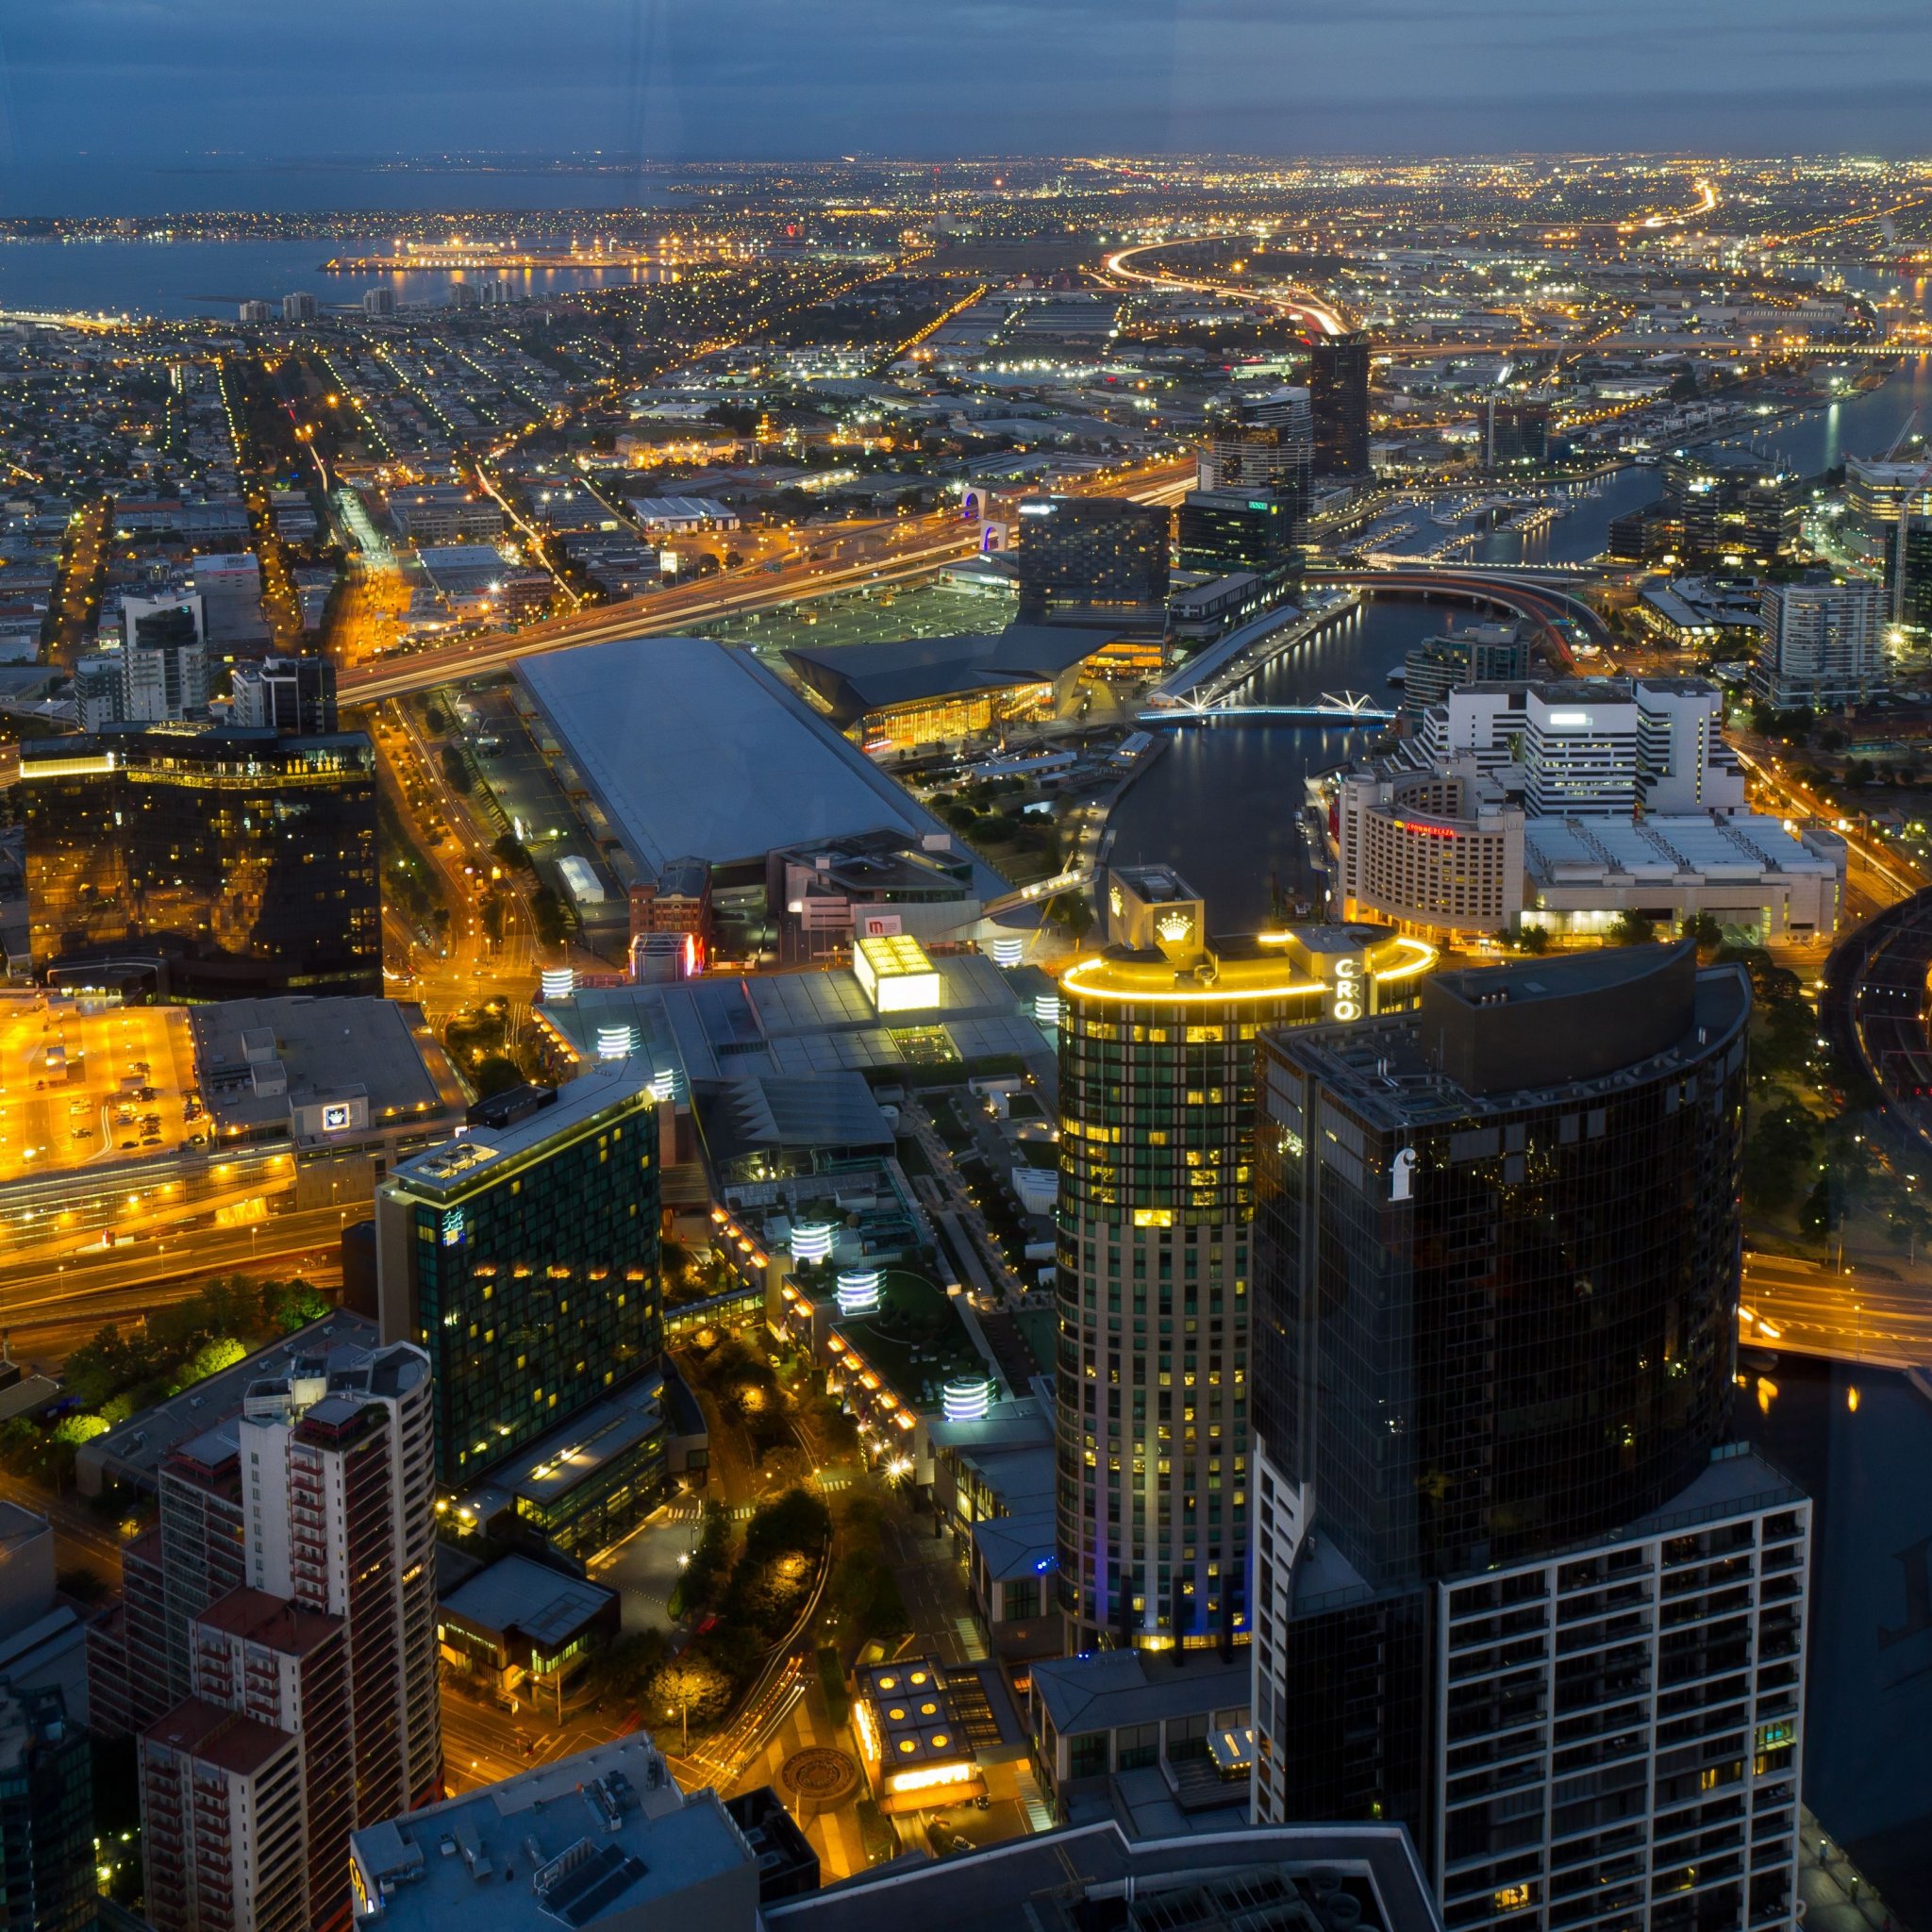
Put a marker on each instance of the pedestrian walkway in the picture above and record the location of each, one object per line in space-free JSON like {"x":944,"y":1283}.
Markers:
{"x":1032,"y":1799}
{"x":1837,"y":1895}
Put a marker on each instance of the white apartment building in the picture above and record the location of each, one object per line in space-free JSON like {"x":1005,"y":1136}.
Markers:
{"x":1823,"y":646}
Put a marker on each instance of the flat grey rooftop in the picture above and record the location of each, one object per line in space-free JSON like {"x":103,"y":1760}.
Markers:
{"x":587,"y":1839}
{"x":1107,"y":1688}
{"x":692,"y":748}
{"x":482,"y":1153}
{"x":518,"y":1593}
{"x":1213,"y":1878}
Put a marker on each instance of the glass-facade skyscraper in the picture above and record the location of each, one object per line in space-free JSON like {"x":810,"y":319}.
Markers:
{"x":1158,"y":1062}
{"x":47,"y":1853}
{"x":1516,"y":1586}
{"x":228,"y":864}
{"x":524,"y":1258}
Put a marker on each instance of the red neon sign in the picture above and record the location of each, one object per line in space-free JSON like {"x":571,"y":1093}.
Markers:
{"x":1428,"y":831}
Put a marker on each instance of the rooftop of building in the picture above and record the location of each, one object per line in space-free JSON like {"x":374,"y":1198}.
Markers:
{"x":518,"y":1593}
{"x":704,"y":1031}
{"x":273,"y":1622}
{"x":219,"y":1737}
{"x":327,"y":1049}
{"x":1017,"y":1425}
{"x":1105,"y":1688}
{"x":1096,"y":1878}
{"x":134,"y":1451}
{"x":1495,"y":1039}
{"x":1017,"y":1547}
{"x":571,"y":1453}
{"x":482,"y":1157}
{"x":914,"y":1343}
{"x":574,"y":1842}
{"x":692,"y":748}
{"x":1261,"y":967}
{"x":1744,"y":845}
{"x":857,"y":679}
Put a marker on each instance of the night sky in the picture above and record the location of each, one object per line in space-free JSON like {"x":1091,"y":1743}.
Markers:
{"x":146,"y":80}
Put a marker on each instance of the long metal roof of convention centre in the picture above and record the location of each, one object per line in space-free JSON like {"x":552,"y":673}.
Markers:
{"x":692,"y":747}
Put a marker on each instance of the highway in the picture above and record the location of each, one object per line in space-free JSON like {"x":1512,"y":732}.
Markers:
{"x":882,"y":554}
{"x":1805,"y":1308}
{"x":49,"y":1309}
{"x":1545,"y":607}
{"x":1300,"y":302}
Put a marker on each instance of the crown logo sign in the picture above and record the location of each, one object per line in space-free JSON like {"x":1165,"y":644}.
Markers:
{"x":1175,"y":926}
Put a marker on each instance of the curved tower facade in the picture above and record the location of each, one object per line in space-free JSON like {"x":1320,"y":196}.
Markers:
{"x":1159,"y":1055}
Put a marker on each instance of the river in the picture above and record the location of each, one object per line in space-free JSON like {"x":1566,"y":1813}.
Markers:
{"x":190,"y":278}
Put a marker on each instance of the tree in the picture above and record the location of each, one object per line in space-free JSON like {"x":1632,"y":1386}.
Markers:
{"x":1533,"y":939}
{"x":1702,"y":927}
{"x":1071,"y":914}
{"x":495,"y":1072}
{"x":287,"y":1305}
{"x":795,"y":1521}
{"x":1778,"y":1151}
{"x":510,"y":851}
{"x":455,"y":770}
{"x":1631,"y":929}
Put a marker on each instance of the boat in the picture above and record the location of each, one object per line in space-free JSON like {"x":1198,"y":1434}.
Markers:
{"x":1398,"y":678}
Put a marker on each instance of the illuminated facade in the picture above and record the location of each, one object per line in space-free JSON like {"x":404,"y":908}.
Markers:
{"x":1157,"y":1067}
{"x":524,"y":1257}
{"x":1434,"y":851}
{"x":1090,"y":552}
{"x":226,"y":863}
{"x":1516,"y":1588}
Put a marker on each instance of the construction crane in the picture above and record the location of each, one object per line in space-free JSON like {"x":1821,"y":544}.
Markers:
{"x":1914,"y":492}
{"x":1898,"y":441}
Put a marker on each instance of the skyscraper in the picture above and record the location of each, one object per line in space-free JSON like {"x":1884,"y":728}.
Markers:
{"x":1515,"y":1585}
{"x":289,"y":1594}
{"x":1339,"y":399}
{"x":227,"y":862}
{"x":1226,"y":530}
{"x":47,"y":1854}
{"x":524,"y":1257}
{"x":1090,"y":552}
{"x":292,"y":696}
{"x":300,"y":307}
{"x":1823,"y":645}
{"x":1260,"y":443}
{"x":1157,"y":1111}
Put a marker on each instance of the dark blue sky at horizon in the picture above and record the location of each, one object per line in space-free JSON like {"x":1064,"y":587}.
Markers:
{"x":176,"y":84}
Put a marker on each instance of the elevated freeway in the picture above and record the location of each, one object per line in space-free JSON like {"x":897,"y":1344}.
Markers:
{"x":1562,"y":620}
{"x":831,"y":560}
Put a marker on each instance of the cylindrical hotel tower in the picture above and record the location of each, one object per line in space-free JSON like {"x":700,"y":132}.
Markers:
{"x":1157,"y":1106}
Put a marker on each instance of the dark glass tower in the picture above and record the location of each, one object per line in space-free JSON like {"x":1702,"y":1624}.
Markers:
{"x":524,"y":1258}
{"x":47,"y":1854}
{"x":1339,"y":396}
{"x":229,"y":863}
{"x":1158,"y":1060}
{"x":1502,"y":1538}
{"x":1088,"y":553}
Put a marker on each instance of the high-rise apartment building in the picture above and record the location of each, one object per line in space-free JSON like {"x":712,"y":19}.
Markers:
{"x":1156,"y":1073}
{"x":524,"y":1258}
{"x":296,"y":696}
{"x":229,"y":586}
{"x":1823,"y":645}
{"x":47,"y":1853}
{"x":1476,"y":654}
{"x":1908,"y":573}
{"x":1260,"y":443}
{"x":1339,"y":401}
{"x":300,"y":307}
{"x":1516,"y":1585}
{"x":378,"y":302}
{"x":227,"y":862}
{"x":1090,"y":552}
{"x":311,"y":1702}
